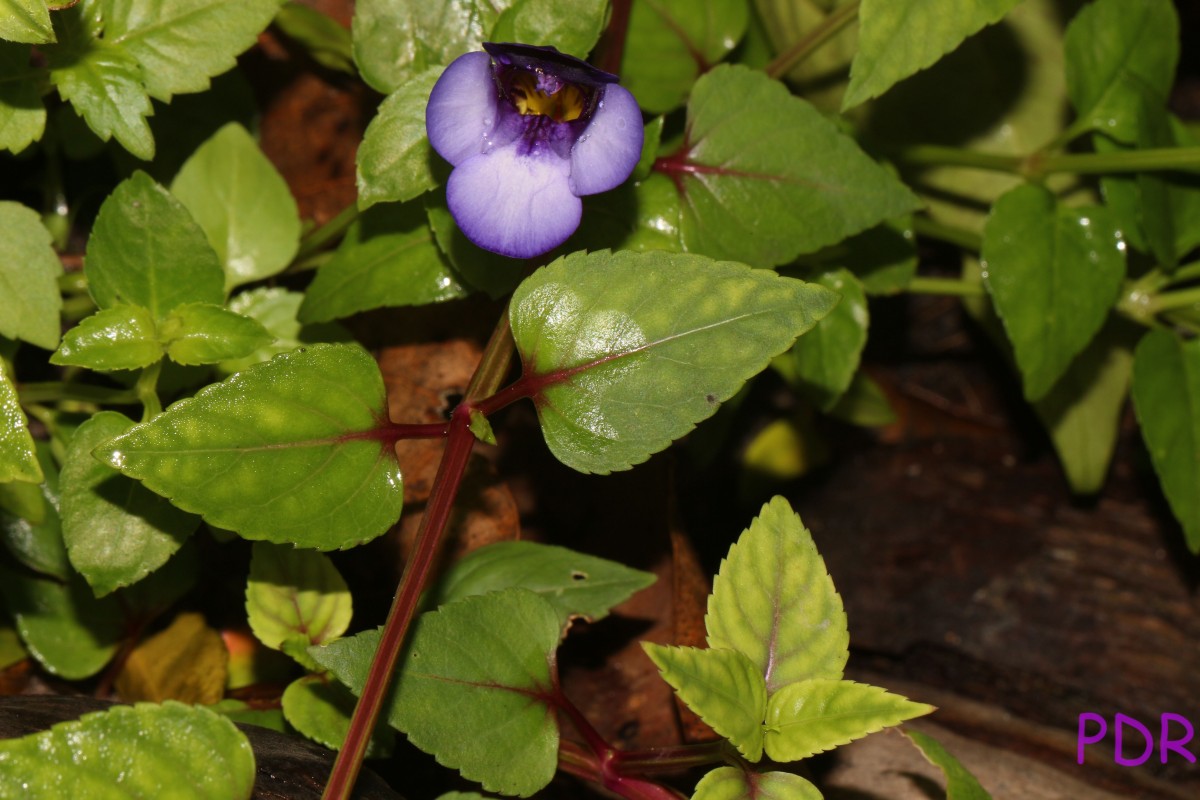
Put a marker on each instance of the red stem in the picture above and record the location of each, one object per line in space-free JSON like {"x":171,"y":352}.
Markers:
{"x":612,"y":44}
{"x":417,"y":571}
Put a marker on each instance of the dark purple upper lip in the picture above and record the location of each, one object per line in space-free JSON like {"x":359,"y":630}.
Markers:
{"x":560,"y":65}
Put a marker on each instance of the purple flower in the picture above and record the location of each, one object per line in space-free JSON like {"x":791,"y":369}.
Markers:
{"x":529,"y":131}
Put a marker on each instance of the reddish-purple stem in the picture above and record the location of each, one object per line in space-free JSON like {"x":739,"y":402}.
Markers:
{"x":612,"y":44}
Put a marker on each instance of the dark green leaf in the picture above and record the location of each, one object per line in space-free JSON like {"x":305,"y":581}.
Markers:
{"x":723,"y":686}
{"x":746,"y":195}
{"x":200,"y":333}
{"x":484,"y":665}
{"x":774,"y":602}
{"x":635,"y":216}
{"x":827,"y":358}
{"x":897,"y":39}
{"x":733,"y":783}
{"x":11,"y":649}
{"x":1053,"y":273}
{"x":630,"y":350}
{"x":36,"y":540}
{"x":573,"y":26}
{"x":158,"y":591}
{"x":573,"y":583}
{"x":390,"y":259}
{"x":1166,"y":397}
{"x":121,"y":337}
{"x":275,"y":308}
{"x":864,"y":403}
{"x":29,"y":271}
{"x":288,"y":451}
{"x":884,"y":258}
{"x":813,"y":716}
{"x":22,"y":115}
{"x":323,"y":37}
{"x":25,"y":21}
{"x":116,"y":531}
{"x":960,"y":784}
{"x":483,"y":270}
{"x":18,"y":461}
{"x":671,"y":43}
{"x":651,"y":139}
{"x":321,"y":710}
{"x":146,"y":250}
{"x":242,"y":204}
{"x":395,"y":161}
{"x":146,"y":750}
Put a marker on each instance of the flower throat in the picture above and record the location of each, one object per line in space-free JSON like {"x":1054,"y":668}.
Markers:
{"x":533,"y":93}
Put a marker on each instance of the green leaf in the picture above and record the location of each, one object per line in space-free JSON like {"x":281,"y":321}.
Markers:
{"x":723,"y":686}
{"x":484,"y":665}
{"x":389,"y":259}
{"x":774,"y":602}
{"x":66,"y":628}
{"x":146,"y":250}
{"x":25,"y":21}
{"x":11,"y":649}
{"x":884,"y":258}
{"x":35,"y":540}
{"x":146,"y":750}
{"x":200,"y":333}
{"x":822,"y":76}
{"x":1082,"y":412}
{"x":116,"y":531}
{"x":629,"y":351}
{"x":323,"y":37}
{"x":745,"y":194}
{"x":102,"y":83}
{"x":242,"y":204}
{"x":289,"y":451}
{"x":158,"y":591}
{"x":1166,"y":397}
{"x":864,"y":403}
{"x":275,"y":308}
{"x":733,"y":783}
{"x":960,"y":784}
{"x":18,"y":461}
{"x":1117,"y":51}
{"x":22,"y":114}
{"x":241,"y":712}
{"x":121,"y":337}
{"x":494,"y":274}
{"x":180,"y":44}
{"x":651,"y":140}
{"x":816,"y":715}
{"x":395,"y":161}
{"x":635,"y":216}
{"x":29,"y":270}
{"x":295,"y":596}
{"x":575,"y":584}
{"x":1053,"y":273}
{"x":897,"y":39}
{"x":394,"y":40}
{"x":573,"y":26}
{"x":670,"y":43}
{"x":827,"y":358}
{"x":321,"y":711}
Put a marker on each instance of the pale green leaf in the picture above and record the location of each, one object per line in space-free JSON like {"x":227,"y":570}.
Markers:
{"x":670,"y":43}
{"x":1053,"y":273}
{"x":295,"y":596}
{"x":22,"y":114}
{"x":960,"y":784}
{"x":146,"y":750}
{"x":389,"y":259}
{"x":18,"y":460}
{"x":25,"y":21}
{"x":826,"y":360}
{"x":180,"y":44}
{"x":733,"y":783}
{"x":120,"y":337}
{"x":897,"y":39}
{"x":146,"y":250}
{"x":1166,"y":397}
{"x":723,"y":686}
{"x":575,"y":584}
{"x":291,"y":451}
{"x":630,"y":350}
{"x":774,"y":602}
{"x":275,"y":308}
{"x":572,"y":26}
{"x":322,"y":37}
{"x":242,"y":204}
{"x":745,"y":193}
{"x":29,"y":270}
{"x":65,"y":627}
{"x":116,"y":530}
{"x":484,"y":665}
{"x":813,"y":716}
{"x":321,"y":710}
{"x":395,"y":161}
{"x":35,"y":539}
{"x":1116,"y":51}
{"x":201,"y":333}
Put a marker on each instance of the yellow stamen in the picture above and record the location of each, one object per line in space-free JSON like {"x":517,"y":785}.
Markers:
{"x":564,"y":105}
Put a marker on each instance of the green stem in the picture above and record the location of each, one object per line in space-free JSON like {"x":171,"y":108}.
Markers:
{"x":955,"y":287}
{"x":1169,"y":301}
{"x":818,"y":36}
{"x":55,"y":391}
{"x":1182,"y":322}
{"x":493,"y":367}
{"x":1187,"y":272}
{"x":673,"y":759}
{"x":967,"y":240}
{"x":147,"y":391}
{"x":938,"y":156}
{"x":329,"y":232}
{"x":1036,"y":166}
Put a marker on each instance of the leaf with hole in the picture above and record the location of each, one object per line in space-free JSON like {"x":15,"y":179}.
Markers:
{"x":296,"y":450}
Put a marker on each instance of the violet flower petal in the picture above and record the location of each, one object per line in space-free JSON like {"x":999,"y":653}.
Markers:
{"x":462,"y":109}
{"x":609,"y":149}
{"x":516,"y":205}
